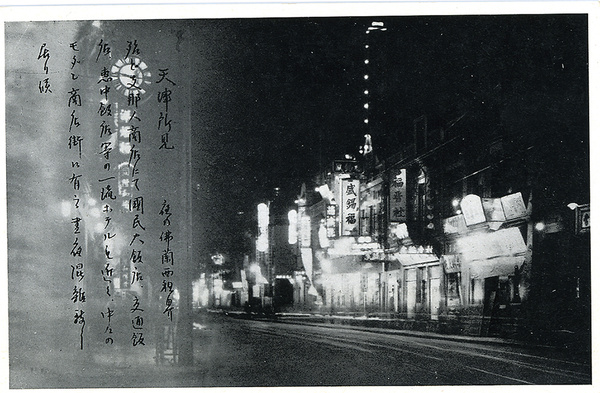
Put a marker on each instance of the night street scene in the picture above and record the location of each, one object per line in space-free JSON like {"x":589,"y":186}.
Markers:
{"x":299,"y":201}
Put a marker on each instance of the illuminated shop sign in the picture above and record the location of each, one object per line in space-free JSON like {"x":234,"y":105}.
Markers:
{"x":451,"y":263}
{"x":262,"y":243}
{"x":345,"y":166}
{"x":513,"y":206}
{"x":472,"y":209}
{"x":397,"y":212}
{"x":350,"y":206}
{"x":482,"y":246}
{"x":331,"y":221}
{"x":293,"y":227}
{"x":455,"y":224}
{"x":323,"y":239}
{"x":476,"y":210}
{"x":493,"y":210}
{"x":304,"y":231}
{"x":583,"y":219}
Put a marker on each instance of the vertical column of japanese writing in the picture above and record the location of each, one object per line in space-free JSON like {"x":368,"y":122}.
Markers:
{"x":106,"y":182}
{"x":166,"y":237}
{"x":136,"y":202}
{"x":165,"y":127}
{"x":75,"y":145}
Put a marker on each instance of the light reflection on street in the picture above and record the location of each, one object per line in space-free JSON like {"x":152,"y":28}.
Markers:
{"x":197,"y":326}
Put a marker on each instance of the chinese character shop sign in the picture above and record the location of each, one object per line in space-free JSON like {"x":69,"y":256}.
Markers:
{"x":331,"y":220}
{"x":350,"y":207}
{"x":397,"y":205}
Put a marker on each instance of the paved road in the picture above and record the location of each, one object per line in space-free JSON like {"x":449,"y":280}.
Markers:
{"x":234,"y":352}
{"x":241,"y":352}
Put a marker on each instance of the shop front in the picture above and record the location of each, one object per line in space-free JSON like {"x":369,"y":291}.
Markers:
{"x":491,"y":266}
{"x":485,"y":256}
{"x":419,"y":284}
{"x":391,"y":285}
{"x":350,"y":285}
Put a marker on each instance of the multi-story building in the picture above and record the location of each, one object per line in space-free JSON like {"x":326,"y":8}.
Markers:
{"x":466,"y":228}
{"x":463,"y":220}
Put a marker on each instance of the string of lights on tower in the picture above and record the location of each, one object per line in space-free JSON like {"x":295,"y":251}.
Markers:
{"x":375,"y":26}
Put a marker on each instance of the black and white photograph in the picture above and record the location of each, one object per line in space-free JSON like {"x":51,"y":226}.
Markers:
{"x":317,"y":196}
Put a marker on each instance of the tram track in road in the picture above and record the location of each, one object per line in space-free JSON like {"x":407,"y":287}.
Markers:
{"x":507,"y":354}
{"x":541,"y":368}
{"x":508,"y":357}
{"x":310,"y":337}
{"x":477,"y":350}
{"x":332,"y":339}
{"x":351,"y":343}
{"x":409,"y":336}
{"x":344,"y":344}
{"x":477,"y":358}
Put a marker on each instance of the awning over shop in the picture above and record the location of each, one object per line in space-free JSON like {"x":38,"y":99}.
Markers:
{"x":345,"y":246}
{"x":409,"y":259}
{"x":501,"y":266}
{"x":482,"y":246}
{"x":340,"y":264}
{"x":492,"y":253}
{"x":376,"y":256}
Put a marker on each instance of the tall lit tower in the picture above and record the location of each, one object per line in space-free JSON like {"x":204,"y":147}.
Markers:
{"x":375,"y":26}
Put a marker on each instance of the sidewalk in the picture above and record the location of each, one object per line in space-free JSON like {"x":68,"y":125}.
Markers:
{"x":384,"y":326}
{"x":426,"y":329}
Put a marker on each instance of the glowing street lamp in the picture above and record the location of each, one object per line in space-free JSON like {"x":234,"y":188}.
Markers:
{"x":218,"y":259}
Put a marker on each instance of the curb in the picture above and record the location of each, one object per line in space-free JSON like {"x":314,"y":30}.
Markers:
{"x":309,"y":320}
{"x":359,"y":325}
{"x":410,"y":333}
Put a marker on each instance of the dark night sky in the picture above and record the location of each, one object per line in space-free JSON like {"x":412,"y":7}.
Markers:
{"x":277,"y":98}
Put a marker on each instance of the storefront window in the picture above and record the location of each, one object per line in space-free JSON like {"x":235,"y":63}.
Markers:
{"x":380,"y":219}
{"x":364,"y":223}
{"x":419,"y":293}
{"x":453,"y":289}
{"x":476,"y":291}
{"x":372,"y":220}
{"x":421,"y":296}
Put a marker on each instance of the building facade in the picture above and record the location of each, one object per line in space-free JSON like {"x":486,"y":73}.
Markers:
{"x":465,"y":228}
